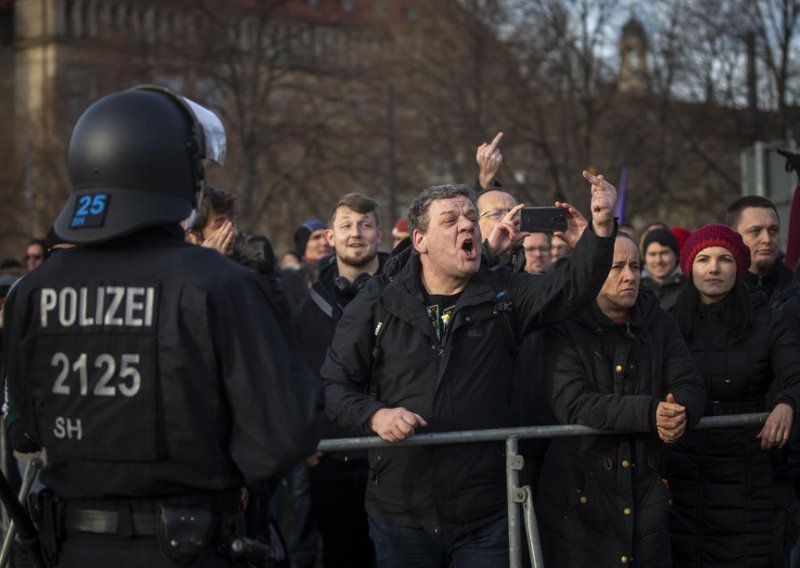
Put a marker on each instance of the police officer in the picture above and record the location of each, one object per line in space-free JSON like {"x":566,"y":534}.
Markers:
{"x":154,"y":373}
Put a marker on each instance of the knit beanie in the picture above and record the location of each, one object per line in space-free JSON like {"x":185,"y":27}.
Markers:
{"x":303,"y":233}
{"x":401,"y":227}
{"x":663,"y":237}
{"x":715,"y":235}
{"x":681,"y":234}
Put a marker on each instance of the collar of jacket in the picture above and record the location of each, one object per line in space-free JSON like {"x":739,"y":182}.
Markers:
{"x":403,"y":296}
{"x":779,"y":284}
{"x":674,"y":278}
{"x":329,"y":271}
{"x":643,"y":315}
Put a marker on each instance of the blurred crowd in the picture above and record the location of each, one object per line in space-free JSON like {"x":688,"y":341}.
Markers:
{"x":688,"y":322}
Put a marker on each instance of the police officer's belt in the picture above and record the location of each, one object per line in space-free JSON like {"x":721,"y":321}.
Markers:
{"x":108,"y":522}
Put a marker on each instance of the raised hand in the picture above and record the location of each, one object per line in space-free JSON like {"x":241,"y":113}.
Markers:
{"x":489,"y":160}
{"x":576,"y":225}
{"x":604,"y":201}
{"x":505,"y":234}
{"x":222,"y":239}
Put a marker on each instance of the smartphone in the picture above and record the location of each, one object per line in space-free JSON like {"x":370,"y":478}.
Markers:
{"x":543,"y":220}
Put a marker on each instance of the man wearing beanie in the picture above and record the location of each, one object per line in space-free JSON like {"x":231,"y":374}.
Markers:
{"x":400,"y":231}
{"x":311,"y":245}
{"x":310,"y":241}
{"x":663,"y":276}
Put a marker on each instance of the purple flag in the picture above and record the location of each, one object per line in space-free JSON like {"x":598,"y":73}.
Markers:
{"x":622,"y":196}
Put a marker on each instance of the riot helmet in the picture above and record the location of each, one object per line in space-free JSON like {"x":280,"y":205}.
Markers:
{"x":136,"y":160}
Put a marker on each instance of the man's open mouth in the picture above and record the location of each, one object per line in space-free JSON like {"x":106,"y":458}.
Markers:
{"x":467,"y":246}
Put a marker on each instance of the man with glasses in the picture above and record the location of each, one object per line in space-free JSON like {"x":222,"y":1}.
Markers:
{"x":494,"y":204}
{"x":537,"y":253}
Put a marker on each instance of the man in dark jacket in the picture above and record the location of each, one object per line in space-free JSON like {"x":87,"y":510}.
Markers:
{"x":756,"y":219}
{"x":339,"y":479}
{"x":432,"y":345}
{"x":620,"y":365}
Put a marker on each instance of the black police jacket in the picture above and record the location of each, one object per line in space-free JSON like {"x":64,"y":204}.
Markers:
{"x":149,"y":367}
{"x":461,"y":383}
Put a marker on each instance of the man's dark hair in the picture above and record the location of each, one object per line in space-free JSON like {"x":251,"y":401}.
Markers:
{"x":218,"y":201}
{"x":734,"y":212}
{"x":418,"y":217}
{"x":358,"y":203}
{"x":41,"y":242}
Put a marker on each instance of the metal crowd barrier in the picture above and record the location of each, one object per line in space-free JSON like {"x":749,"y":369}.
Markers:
{"x":519,"y":497}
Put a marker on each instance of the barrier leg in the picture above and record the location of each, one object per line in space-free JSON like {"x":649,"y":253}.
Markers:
{"x":532,"y":529}
{"x":514,"y":463}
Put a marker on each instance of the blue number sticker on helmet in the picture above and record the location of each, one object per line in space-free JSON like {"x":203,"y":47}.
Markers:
{"x":90,"y":211}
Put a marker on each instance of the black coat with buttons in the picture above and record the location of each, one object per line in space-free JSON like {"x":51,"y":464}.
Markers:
{"x":602,"y":500}
{"x":721,"y":479}
{"x":463,"y":382}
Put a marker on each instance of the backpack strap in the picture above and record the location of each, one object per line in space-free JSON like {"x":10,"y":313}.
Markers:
{"x":382,"y":319}
{"x":321,"y":302}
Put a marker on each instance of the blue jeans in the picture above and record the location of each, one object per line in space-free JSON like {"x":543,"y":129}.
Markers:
{"x":403,"y":547}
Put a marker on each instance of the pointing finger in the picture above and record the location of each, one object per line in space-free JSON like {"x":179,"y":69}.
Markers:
{"x":590,"y":177}
{"x":495,"y":142}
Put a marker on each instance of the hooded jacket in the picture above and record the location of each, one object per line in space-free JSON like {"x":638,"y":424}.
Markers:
{"x":601,"y":498}
{"x":462,"y":382}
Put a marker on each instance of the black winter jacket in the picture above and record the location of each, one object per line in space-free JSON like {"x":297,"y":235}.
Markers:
{"x":601,"y":500}
{"x":463,"y":382}
{"x":721,"y":479}
{"x":668,"y":291}
{"x":315,"y":319}
{"x":782,"y":291}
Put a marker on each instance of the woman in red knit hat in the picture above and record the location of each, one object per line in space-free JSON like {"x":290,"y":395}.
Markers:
{"x":721,"y":479}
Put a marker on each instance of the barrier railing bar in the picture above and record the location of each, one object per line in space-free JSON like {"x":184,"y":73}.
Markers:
{"x":501,"y":434}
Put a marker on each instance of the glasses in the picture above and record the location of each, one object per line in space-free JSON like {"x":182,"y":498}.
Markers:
{"x":495,"y":213}
{"x":33,"y":257}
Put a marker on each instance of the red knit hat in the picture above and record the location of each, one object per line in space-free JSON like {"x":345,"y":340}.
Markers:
{"x":715,"y":235}
{"x":401,"y":227}
{"x":681,"y":234}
